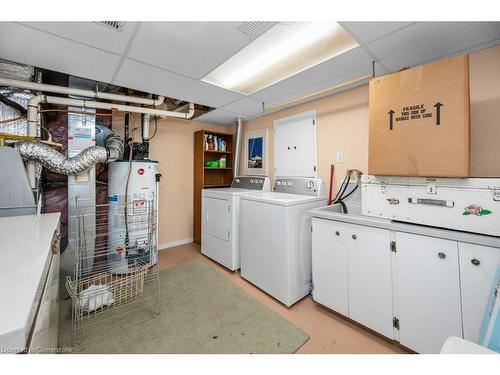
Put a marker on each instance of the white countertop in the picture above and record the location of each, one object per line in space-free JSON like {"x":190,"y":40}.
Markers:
{"x":333,"y":213}
{"x":25,"y":250}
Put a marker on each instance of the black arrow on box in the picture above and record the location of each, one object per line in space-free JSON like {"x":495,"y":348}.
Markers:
{"x":391,"y":114}
{"x":438,"y":112}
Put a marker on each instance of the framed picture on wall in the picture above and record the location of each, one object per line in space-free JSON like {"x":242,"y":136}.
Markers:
{"x":256,"y":152}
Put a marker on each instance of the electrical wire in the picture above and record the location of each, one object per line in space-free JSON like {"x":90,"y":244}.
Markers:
{"x":156,"y":128}
{"x":126,"y":193}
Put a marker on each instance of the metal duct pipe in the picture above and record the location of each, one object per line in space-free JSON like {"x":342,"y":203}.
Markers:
{"x":145,"y":127}
{"x":107,"y":138}
{"x":110,"y":149}
{"x":239,"y":127}
{"x":57,"y":162}
{"x":78,"y":92}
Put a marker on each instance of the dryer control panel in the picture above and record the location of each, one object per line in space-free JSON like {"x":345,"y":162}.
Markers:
{"x":260,"y":183}
{"x":298,"y":185}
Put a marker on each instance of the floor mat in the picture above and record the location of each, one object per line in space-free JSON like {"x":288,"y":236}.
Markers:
{"x":201,"y":312}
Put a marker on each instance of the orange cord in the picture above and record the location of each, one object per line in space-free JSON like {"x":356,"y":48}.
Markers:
{"x":12,"y":119}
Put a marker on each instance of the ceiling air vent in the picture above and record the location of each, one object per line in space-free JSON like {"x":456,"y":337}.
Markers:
{"x":252,"y":28}
{"x":115,"y":25}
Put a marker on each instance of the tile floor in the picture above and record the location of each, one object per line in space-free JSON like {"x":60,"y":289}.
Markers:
{"x":329,"y":332}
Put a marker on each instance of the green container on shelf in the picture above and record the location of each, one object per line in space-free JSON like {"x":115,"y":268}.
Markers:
{"x":212,"y":164}
{"x":222,"y":162}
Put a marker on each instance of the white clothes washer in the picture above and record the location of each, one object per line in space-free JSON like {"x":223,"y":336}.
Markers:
{"x":275,"y":237}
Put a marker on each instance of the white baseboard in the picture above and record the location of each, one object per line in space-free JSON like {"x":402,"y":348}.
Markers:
{"x":168,"y":245}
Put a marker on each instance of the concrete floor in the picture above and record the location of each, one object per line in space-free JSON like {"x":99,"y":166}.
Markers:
{"x":328,"y":332}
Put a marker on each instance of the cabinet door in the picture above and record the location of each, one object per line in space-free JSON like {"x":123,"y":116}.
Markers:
{"x":329,"y":265}
{"x":428,"y":292}
{"x":370,"y":280}
{"x":304,"y":147}
{"x":283,"y":159}
{"x":478,"y":266}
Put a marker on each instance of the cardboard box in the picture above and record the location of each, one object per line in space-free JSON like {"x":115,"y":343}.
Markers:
{"x":419,"y":121}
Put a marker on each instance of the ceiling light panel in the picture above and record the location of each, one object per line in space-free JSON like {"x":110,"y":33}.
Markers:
{"x":286,"y":49}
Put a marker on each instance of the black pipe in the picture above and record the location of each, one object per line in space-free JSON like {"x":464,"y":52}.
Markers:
{"x":18,"y":107}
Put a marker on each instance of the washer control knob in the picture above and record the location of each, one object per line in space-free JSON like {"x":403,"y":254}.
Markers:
{"x":251,"y":181}
{"x":237,"y":180}
{"x":261,"y":181}
{"x":278,"y":183}
{"x":310,"y":184}
{"x":289,"y":183}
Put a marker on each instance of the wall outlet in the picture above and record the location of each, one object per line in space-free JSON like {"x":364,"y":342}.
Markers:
{"x":339,"y":157}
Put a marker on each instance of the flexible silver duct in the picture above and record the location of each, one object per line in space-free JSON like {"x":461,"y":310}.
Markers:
{"x":57,"y":162}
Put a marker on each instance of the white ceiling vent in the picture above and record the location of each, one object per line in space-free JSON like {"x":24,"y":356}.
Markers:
{"x":115,"y":25}
{"x":251,"y":28}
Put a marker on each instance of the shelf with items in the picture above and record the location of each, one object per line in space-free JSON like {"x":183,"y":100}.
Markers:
{"x":213,"y":168}
{"x":217,"y":142}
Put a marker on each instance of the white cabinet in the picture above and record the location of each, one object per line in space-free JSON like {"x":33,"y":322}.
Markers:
{"x":478,"y":265}
{"x":352,"y":272}
{"x":370,"y":280}
{"x":295,"y":145}
{"x":428,"y":287}
{"x":329,"y":265}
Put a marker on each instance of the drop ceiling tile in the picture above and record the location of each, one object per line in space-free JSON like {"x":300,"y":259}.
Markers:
{"x":139,"y":76}
{"x":189,"y":48}
{"x":219,"y":117}
{"x":333,"y":67}
{"x":90,"y":33}
{"x":247,"y":106}
{"x":366,"y":32}
{"x":55,"y":53}
{"x":427,"y":41}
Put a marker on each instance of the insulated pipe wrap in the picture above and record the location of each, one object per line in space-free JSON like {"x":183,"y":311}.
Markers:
{"x":57,"y":162}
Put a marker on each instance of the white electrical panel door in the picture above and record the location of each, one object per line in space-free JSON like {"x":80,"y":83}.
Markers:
{"x":329,"y":265}
{"x":428,"y":291}
{"x":295,"y":145}
{"x":283,"y":159}
{"x":370,"y":280}
{"x":216,"y":218}
{"x":478,"y":266}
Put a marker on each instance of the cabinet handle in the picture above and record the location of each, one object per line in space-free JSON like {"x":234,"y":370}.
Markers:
{"x":475,"y":262}
{"x":289,"y":147}
{"x":294,"y":147}
{"x":442,"y":255}
{"x":337,"y":233}
{"x":354,"y":236}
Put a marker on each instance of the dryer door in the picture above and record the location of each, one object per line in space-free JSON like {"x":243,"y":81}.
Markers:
{"x":217,"y":218}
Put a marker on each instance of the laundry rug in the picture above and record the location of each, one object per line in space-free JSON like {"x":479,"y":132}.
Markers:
{"x":201,"y":312}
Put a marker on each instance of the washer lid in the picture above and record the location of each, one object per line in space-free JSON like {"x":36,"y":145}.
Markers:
{"x":282,"y":199}
{"x":227,"y":192}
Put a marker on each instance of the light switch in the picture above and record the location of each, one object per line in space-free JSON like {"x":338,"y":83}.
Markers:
{"x":340,"y":157}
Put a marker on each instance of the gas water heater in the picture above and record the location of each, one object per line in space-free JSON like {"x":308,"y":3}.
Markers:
{"x":133,"y":204}
{"x":132,"y":217}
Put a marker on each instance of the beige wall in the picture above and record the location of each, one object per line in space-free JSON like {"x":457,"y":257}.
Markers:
{"x":342,"y":125}
{"x":342,"y":122}
{"x":173,"y":147}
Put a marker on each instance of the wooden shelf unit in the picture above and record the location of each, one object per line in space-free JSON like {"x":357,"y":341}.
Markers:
{"x":209,"y":177}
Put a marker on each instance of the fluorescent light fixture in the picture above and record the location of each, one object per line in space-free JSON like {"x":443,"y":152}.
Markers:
{"x":284,"y":50}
